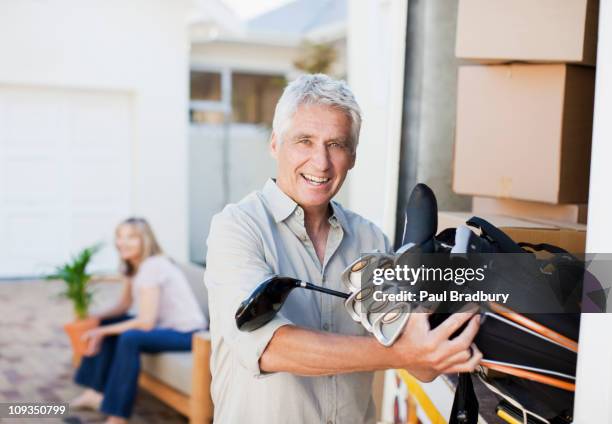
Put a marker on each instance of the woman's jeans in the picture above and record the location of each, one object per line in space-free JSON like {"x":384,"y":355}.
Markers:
{"x":114,"y":370}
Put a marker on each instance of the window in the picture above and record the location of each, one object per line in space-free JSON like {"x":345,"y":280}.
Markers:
{"x":253,"y":97}
{"x":209,"y":102}
{"x":205,"y":85}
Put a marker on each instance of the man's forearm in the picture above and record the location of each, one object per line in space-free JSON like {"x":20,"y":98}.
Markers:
{"x":424,"y":352}
{"x":306,"y":352}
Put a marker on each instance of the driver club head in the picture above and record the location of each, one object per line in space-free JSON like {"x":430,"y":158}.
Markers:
{"x":264,"y":302}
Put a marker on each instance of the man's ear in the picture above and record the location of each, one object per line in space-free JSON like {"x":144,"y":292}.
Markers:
{"x":353,"y":158}
{"x":274,"y":145}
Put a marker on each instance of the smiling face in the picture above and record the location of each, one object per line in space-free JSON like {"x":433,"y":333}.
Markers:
{"x":315,"y":155}
{"x":129,"y":243}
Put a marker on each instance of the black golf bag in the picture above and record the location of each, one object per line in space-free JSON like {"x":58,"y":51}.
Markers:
{"x":529,"y":357}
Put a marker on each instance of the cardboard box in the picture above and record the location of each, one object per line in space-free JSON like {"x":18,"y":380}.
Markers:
{"x":528,"y":30}
{"x":455,"y":219}
{"x":574,"y":213}
{"x":571,"y":237}
{"x":524,"y":132}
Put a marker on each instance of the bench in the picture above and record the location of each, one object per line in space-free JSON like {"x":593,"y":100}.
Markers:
{"x":182,"y":379}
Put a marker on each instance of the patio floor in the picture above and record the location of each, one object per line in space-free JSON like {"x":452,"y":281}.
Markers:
{"x":35,"y":354}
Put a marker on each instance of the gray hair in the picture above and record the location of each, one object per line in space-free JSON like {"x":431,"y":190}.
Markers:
{"x":318,"y":89}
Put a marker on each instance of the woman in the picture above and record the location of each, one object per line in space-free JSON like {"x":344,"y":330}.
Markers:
{"x":168,"y":314}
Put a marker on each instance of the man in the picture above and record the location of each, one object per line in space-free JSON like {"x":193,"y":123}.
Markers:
{"x":312,"y":362}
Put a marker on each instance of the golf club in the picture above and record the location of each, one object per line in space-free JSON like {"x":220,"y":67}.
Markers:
{"x":268,"y":298}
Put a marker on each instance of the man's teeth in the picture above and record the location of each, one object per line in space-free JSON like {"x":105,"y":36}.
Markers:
{"x":315,"y":180}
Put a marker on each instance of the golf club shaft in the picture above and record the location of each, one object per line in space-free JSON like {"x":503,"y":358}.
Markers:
{"x":311,"y":286}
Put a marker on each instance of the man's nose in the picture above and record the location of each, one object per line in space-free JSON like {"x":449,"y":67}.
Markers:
{"x":320,"y":158}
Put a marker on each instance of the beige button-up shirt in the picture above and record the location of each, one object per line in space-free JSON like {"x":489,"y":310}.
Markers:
{"x":261,"y":236}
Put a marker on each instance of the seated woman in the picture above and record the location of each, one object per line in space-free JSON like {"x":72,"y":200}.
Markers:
{"x":168,"y":314}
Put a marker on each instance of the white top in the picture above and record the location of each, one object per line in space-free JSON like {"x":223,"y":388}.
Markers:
{"x":178,"y":308}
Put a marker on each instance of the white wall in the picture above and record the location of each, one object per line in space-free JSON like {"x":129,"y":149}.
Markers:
{"x":594,"y":371}
{"x":137,"y":47}
{"x":249,"y":165}
{"x":63,"y":167}
{"x":376,"y":39}
{"x":245,"y":57}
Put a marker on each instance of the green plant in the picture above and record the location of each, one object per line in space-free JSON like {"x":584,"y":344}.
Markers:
{"x":74,"y":274}
{"x":316,"y":58}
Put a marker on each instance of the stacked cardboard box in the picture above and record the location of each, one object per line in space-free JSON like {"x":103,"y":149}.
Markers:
{"x":550,"y":31}
{"x":523,"y":132}
{"x":570,"y":213}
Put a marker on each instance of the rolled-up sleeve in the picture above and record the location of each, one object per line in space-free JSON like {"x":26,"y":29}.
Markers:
{"x":235,"y":264}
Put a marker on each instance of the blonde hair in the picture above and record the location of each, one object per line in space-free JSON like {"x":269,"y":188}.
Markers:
{"x":150,"y":247}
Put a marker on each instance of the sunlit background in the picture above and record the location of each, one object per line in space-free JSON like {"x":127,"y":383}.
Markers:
{"x":163,"y":109}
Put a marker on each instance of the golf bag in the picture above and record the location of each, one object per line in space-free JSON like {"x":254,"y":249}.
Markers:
{"x":529,"y":345}
{"x":529,"y":359}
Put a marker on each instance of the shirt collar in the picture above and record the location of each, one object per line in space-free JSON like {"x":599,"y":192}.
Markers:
{"x":282,"y":206}
{"x":339,"y":216}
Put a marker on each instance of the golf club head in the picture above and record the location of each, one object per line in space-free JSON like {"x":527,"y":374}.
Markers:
{"x":391,"y":322}
{"x":264,"y":302}
{"x":371,"y":311}
{"x":361,"y":305}
{"x":361,"y":270}
{"x":353,"y":303}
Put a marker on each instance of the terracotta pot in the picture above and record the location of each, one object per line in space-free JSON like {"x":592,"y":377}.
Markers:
{"x":75,"y":330}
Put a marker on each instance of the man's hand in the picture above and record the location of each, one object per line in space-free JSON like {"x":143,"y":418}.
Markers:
{"x":427,"y":353}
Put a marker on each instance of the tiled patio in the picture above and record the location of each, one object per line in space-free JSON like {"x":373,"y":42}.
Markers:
{"x":35,"y":355}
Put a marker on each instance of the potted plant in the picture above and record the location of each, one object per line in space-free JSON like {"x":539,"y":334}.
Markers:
{"x":74,"y":274}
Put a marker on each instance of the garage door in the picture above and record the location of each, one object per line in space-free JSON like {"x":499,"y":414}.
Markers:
{"x":65,"y":175}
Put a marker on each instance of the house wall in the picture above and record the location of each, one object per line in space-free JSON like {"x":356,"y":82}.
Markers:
{"x":375,"y":48}
{"x":138,"y":48}
{"x":594,"y":371}
{"x":247,"y":166}
{"x":245,"y":57}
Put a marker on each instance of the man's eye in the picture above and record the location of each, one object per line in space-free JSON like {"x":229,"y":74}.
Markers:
{"x":337,"y":145}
